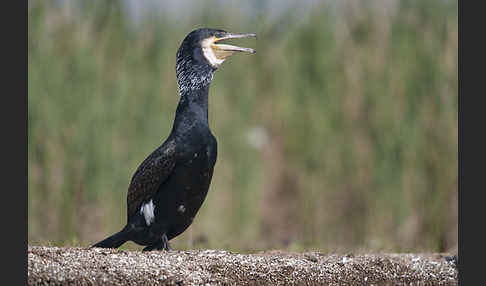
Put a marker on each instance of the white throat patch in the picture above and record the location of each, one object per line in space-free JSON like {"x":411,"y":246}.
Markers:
{"x":209,"y":53}
{"x":148,"y":212}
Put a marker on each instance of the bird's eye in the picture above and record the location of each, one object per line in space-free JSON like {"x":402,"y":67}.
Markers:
{"x":218,"y":35}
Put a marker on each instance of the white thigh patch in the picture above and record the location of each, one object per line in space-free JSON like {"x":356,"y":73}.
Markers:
{"x":148,"y":212}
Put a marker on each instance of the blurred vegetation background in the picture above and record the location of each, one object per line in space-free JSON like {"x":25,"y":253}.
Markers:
{"x":339,"y":134}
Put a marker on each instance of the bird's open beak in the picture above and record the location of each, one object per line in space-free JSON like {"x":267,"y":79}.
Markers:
{"x":222,"y":51}
{"x":231,"y":48}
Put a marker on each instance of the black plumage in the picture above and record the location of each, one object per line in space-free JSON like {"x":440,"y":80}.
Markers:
{"x":170,"y":185}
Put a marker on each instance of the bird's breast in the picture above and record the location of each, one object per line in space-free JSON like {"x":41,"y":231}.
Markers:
{"x":185,"y":190}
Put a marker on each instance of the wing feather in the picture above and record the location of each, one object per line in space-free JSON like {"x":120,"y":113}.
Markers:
{"x":153,"y":171}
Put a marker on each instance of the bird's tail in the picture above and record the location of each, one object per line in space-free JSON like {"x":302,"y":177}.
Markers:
{"x":115,"y":240}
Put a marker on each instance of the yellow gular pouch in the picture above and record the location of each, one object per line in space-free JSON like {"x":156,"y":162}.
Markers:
{"x":220,"y":52}
{"x":209,"y":54}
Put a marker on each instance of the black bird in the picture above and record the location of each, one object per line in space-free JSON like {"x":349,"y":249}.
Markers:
{"x":170,"y":185}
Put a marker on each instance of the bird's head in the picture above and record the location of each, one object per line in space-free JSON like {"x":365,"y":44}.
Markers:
{"x":201,"y":53}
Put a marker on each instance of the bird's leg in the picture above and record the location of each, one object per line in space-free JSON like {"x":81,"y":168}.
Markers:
{"x":162,"y":244}
{"x":165,"y":244}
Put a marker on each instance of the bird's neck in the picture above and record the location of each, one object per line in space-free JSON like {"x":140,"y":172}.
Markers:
{"x":192,"y":108}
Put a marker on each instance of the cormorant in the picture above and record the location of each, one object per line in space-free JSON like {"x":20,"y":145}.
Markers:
{"x":170,"y":185}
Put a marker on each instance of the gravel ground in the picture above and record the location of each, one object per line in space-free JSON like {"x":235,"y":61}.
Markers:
{"x":83,"y":266}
